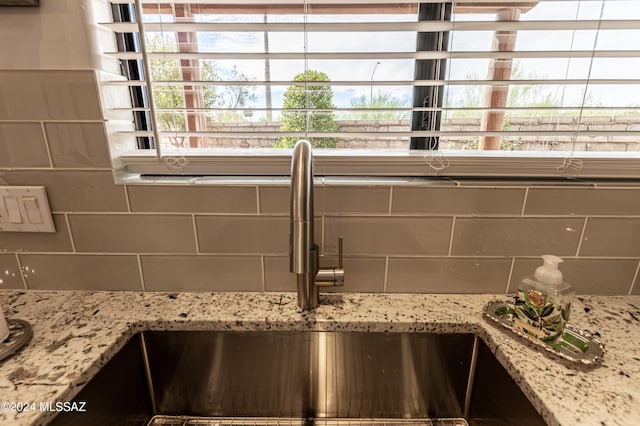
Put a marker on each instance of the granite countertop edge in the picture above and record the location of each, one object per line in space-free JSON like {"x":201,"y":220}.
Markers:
{"x":78,"y":332}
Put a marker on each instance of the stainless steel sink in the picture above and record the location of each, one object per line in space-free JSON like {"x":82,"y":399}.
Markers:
{"x":302,"y":378}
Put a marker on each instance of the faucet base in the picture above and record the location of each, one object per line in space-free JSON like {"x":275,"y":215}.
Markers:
{"x":308,"y":292}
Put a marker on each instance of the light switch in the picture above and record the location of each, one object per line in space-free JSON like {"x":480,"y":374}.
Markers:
{"x":13,"y":209}
{"x":25,"y":209}
{"x":32,"y":209}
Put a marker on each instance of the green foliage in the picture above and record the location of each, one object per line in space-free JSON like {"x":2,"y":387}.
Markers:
{"x":383,"y":101}
{"x":169,"y":99}
{"x":231,"y":97}
{"x":310,"y":96}
{"x":520,"y":96}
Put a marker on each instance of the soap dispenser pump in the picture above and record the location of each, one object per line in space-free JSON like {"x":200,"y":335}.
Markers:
{"x":548,"y":273}
{"x":543,"y":303}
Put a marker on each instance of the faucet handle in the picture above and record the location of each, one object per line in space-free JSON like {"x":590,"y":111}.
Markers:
{"x":330,"y":277}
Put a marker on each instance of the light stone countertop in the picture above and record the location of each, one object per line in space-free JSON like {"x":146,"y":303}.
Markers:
{"x":77,"y":332}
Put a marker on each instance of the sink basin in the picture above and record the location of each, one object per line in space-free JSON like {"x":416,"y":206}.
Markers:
{"x":302,"y":378}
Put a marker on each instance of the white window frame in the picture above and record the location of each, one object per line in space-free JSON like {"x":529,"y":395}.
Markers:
{"x":442,"y":163}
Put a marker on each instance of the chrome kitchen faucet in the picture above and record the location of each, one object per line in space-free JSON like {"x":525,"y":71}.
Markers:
{"x":303,"y":252}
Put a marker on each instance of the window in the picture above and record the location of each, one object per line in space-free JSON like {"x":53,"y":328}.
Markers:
{"x":508,"y":87}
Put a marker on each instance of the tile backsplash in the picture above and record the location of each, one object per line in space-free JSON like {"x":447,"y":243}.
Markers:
{"x":444,"y":237}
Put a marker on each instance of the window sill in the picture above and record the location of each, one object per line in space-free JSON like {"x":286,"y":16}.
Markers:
{"x":483,"y":164}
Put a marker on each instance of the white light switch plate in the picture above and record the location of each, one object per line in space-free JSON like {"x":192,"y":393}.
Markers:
{"x":25,"y":209}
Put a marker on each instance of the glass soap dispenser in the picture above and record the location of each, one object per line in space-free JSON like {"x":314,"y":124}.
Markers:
{"x":543,"y":303}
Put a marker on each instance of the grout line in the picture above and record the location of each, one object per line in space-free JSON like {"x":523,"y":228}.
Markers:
{"x":524,"y":201}
{"x":390,"y":200}
{"x":140,"y":271}
{"x":258,"y":199}
{"x":386,"y":274}
{"x":351,"y":215}
{"x":160,"y":253}
{"x":195,"y":233}
{"x":513,"y":262}
{"x":584,"y":228}
{"x":123,"y":213}
{"x":264,"y":274}
{"x":46,"y":144}
{"x":322,"y":236}
{"x":73,"y":244}
{"x":286,"y":254}
{"x":184,"y":213}
{"x":59,"y":169}
{"x":126,"y":197}
{"x":635,"y":278}
{"x":453,"y":227}
{"x":21,"y":272}
{"x":52,"y":120}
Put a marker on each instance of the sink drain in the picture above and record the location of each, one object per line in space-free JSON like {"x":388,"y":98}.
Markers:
{"x":280,"y":421}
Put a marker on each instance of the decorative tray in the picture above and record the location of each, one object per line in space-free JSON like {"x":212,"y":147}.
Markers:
{"x":575,"y":345}
{"x":19,"y":335}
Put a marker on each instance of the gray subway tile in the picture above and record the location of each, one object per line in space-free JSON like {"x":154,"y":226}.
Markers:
{"x":78,"y":145}
{"x":81,"y":272}
{"x":10,"y":275}
{"x":202,"y":273}
{"x":587,"y":276}
{"x":388,"y":235}
{"x":516,"y":236}
{"x":58,"y":241}
{"x":244,"y":234}
{"x":351,"y":199}
{"x":611,"y":237}
{"x":193,"y":199}
{"x":274,"y":199}
{"x":74,"y":191}
{"x":330,"y":199}
{"x":22,"y":97}
{"x":133,"y":233}
{"x":522,"y":183}
{"x":361,"y":274}
{"x":49,"y":95}
{"x":447,"y":275}
{"x":22,"y":145}
{"x":583,"y":201}
{"x":276,"y":274}
{"x":616,"y":183}
{"x":457,"y":200}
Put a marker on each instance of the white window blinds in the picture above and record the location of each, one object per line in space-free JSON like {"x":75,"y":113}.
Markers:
{"x":516,"y":77}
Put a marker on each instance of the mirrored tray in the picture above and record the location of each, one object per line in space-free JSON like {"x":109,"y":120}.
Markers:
{"x":576,"y":345}
{"x":19,"y":335}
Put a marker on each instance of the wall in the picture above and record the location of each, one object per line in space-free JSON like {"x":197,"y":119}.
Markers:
{"x":54,"y":36}
{"x":612,"y":142}
{"x":443,"y":236}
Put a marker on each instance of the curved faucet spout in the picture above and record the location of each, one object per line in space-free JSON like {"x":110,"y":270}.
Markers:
{"x":301,"y":209}
{"x":303,"y":252}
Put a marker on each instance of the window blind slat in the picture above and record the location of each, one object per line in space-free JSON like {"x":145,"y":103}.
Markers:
{"x":580,"y":81}
{"x":560,"y":109}
{"x":395,"y":134}
{"x":557,"y":25}
{"x":629,"y":109}
{"x":316,"y":2}
{"x":423,"y":55}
